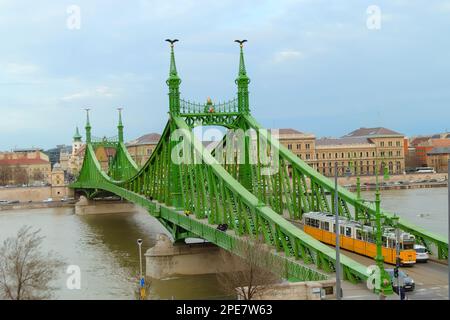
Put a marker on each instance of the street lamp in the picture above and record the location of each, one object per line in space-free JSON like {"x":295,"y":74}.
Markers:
{"x":336,"y":223}
{"x":141,"y":277}
{"x":448,"y":253}
{"x":379,"y":259}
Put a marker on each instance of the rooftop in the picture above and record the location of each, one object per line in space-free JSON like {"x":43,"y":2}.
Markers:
{"x":372,"y":132}
{"x":342,"y":141}
{"x":440,"y":150}
{"x":150,"y":138}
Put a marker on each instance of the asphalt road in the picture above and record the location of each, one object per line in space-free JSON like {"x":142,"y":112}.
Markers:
{"x":431,"y":278}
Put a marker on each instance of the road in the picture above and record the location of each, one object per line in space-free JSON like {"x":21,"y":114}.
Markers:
{"x":431,"y":278}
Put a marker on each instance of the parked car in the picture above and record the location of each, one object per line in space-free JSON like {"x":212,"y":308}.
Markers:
{"x":48,"y":200}
{"x":421,"y":253}
{"x":405,"y":281}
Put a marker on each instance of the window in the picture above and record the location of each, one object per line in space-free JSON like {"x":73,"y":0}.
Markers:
{"x":359,"y":235}
{"x":382,"y":144}
{"x":290,"y":146}
{"x":367,"y":154}
{"x":397,"y":143}
{"x":324,"y":225}
{"x":348,"y":231}
{"x":308,"y":156}
{"x":307,"y":146}
{"x":390,"y":153}
{"x":360,"y":154}
{"x":299,"y":146}
{"x":342,"y":155}
{"x":399,"y":153}
{"x":382,"y":153}
{"x":335,"y":155}
{"x":323,"y":155}
{"x":390,"y":143}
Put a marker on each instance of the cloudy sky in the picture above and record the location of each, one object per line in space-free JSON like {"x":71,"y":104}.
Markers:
{"x":315,"y":65}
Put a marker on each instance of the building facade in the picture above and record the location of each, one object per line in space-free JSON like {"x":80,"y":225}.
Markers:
{"x":359,"y":151}
{"x":438,"y":159}
{"x":24,"y":167}
{"x":141,"y":148}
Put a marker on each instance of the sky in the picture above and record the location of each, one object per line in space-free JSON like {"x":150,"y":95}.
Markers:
{"x":320,"y":66}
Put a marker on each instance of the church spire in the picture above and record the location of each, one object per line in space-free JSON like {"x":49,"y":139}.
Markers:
{"x":242,"y":81}
{"x":173,"y":82}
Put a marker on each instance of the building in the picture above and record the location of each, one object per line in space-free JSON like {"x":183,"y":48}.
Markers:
{"x":356,"y":152}
{"x":24,"y":167}
{"x":421,"y":146}
{"x":389,"y":147}
{"x":59,"y":189}
{"x":141,"y":148}
{"x":75,"y":159}
{"x":360,"y":150}
{"x":438,"y":159}
{"x":54,"y":154}
{"x":300,"y":143}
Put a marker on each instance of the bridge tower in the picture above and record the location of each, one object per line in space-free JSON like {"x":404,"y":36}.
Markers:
{"x":173,"y":82}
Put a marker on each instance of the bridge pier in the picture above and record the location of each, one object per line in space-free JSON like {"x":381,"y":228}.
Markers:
{"x":85,"y":206}
{"x":167,"y":259}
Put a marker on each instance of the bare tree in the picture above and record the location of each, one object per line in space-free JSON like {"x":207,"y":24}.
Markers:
{"x":254,"y":268}
{"x":20,"y":175}
{"x":38,"y":175}
{"x":5,"y":175}
{"x":25,"y":272}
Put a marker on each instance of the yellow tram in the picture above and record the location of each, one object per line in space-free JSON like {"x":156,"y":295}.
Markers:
{"x":359,"y":238}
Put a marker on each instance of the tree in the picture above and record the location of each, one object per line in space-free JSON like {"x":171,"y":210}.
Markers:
{"x":259,"y":268}
{"x":38,"y":175}
{"x":20,"y":175}
{"x":5,"y":175}
{"x":25,"y":272}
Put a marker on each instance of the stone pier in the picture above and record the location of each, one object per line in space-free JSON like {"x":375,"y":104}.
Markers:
{"x":86,"y":207}
{"x":166,"y":259}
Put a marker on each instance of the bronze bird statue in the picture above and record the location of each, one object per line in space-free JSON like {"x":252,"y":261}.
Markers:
{"x":171,"y":41}
{"x":241,"y":42}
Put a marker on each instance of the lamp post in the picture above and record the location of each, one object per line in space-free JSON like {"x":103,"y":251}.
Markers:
{"x":448,"y":253}
{"x":336,"y":223}
{"x":141,"y":278}
{"x":385,"y":287}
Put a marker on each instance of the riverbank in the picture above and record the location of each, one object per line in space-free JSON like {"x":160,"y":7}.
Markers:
{"x":36,"y":205}
{"x":396,"y":182}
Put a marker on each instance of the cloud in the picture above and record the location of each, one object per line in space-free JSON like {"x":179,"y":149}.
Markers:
{"x":19,"y":68}
{"x":288,"y":55}
{"x":98,"y":92}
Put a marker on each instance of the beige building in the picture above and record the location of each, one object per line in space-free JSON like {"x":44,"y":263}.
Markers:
{"x":359,"y":150}
{"x":301,"y":144}
{"x":24,"y":166}
{"x":438,"y":158}
{"x":59,"y":189}
{"x":141,"y":148}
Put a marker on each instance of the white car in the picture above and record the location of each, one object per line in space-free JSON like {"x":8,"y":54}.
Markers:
{"x":48,"y":200}
{"x":421,"y":253}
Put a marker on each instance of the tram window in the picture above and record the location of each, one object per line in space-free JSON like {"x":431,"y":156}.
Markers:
{"x":324,"y":225}
{"x":370,"y":237}
{"x":408,"y":246}
{"x":348,"y":231}
{"x":334,"y":228}
{"x":358,"y":234}
{"x":307,"y":221}
{"x":341,"y":230}
{"x":384,"y":241}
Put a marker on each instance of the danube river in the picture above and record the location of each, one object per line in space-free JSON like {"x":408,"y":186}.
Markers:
{"x":104,"y":246}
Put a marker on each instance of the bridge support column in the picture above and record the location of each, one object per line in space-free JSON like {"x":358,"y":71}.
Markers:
{"x":166,"y":259}
{"x":86,"y":207}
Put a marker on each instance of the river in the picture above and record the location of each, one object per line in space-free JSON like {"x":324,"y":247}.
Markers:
{"x":104,"y":246}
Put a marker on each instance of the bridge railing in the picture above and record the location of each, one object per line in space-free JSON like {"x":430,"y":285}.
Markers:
{"x":188,"y":107}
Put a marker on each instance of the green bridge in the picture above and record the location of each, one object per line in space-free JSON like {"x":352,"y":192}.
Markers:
{"x":256,"y":190}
